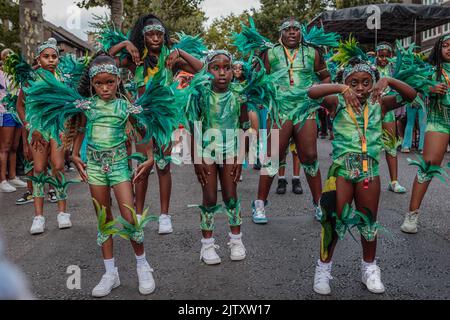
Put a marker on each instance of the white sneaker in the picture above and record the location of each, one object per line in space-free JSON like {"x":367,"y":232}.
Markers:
{"x":371,"y":277}
{"x":6,"y":187}
{"x":108,"y":282}
{"x":410,"y":223}
{"x":38,"y":225}
{"x":64,"y":220}
{"x":145,"y":278}
{"x":208,"y":253}
{"x":17,"y":183}
{"x":165,"y":224}
{"x":237,"y":249}
{"x":322,"y":278}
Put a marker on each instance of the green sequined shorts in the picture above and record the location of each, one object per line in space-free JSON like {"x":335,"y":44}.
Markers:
{"x":350,"y":167}
{"x":108,"y":167}
{"x":441,"y":126}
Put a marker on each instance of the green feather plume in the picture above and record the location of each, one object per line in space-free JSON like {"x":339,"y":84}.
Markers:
{"x":194,"y":45}
{"x":108,"y":36}
{"x":346,"y":222}
{"x":161,"y":105}
{"x":390,"y":140}
{"x":249,"y":40}
{"x":16,"y":67}
{"x":62,"y":184}
{"x":72,"y":68}
{"x":347,"y":50}
{"x":367,"y":226}
{"x":317,"y":37}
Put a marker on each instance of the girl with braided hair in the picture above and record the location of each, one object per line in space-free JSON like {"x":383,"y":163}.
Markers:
{"x":437,"y":132}
{"x":148,"y":48}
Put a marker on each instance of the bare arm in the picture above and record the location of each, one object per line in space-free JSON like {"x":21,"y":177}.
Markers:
{"x":390,"y":102}
{"x":320,"y":67}
{"x":184,"y":61}
{"x":329,"y":92}
{"x":77,"y":142}
{"x":20,"y":106}
{"x":132,"y":50}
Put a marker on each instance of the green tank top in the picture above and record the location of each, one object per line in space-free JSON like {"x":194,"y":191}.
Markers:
{"x":346,"y":136}
{"x":106,"y":122}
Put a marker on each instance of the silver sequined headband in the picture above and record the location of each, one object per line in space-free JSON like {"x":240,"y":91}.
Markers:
{"x":153,"y":27}
{"x":210,"y":57}
{"x":384,"y":47}
{"x":290,"y":23}
{"x":103,"y":68}
{"x":362,"y":67}
{"x":446,"y":38}
{"x":50,"y":43}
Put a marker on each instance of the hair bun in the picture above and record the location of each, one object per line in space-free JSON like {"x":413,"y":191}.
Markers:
{"x":52,"y":41}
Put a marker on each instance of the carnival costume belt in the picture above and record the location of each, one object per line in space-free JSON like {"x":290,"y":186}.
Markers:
{"x":106,"y":158}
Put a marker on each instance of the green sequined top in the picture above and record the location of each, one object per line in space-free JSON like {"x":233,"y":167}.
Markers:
{"x":106,"y":122}
{"x":346,"y":137}
{"x":220,"y":113}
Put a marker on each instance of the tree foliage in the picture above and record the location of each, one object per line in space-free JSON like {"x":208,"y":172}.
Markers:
{"x":178,"y":15}
{"x":9,"y":11}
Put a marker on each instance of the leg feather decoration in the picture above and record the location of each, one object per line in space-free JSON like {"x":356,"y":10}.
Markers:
{"x":105,"y":230}
{"x":135,"y":231}
{"x":233,"y":211}
{"x":208,"y":214}
{"x":390,"y":142}
{"x":61,"y":185}
{"x":311,"y":169}
{"x":38,"y":184}
{"x":367,"y":226}
{"x":427,"y":171}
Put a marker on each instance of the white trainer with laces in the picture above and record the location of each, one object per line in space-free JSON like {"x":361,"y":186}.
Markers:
{"x":6,"y":187}
{"x":38,"y":225}
{"x":322,"y":278}
{"x":371,"y":277}
{"x":208,"y":252}
{"x":108,"y":282}
{"x":17,"y":183}
{"x":165,"y":224}
{"x":237,"y":249}
{"x":146,"y":280}
{"x":410,"y":223}
{"x":64,"y":220}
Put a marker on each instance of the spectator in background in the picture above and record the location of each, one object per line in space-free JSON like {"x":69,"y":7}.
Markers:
{"x":414,"y":111}
{"x":10,"y":134}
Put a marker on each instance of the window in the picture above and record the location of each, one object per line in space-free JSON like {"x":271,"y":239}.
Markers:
{"x":431,"y":33}
{"x":432,"y":2}
{"x":406,"y":42}
{"x":446,"y":28}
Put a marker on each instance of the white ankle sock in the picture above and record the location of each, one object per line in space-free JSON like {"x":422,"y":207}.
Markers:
{"x":235,"y":236}
{"x":110,"y":265}
{"x":259,"y":204}
{"x":325,"y":264}
{"x":365,"y":265}
{"x":282,"y":177}
{"x":296,"y":177}
{"x":206,"y":241}
{"x":141,"y":260}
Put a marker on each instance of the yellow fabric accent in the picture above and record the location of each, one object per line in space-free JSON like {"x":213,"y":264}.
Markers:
{"x":361,"y":134}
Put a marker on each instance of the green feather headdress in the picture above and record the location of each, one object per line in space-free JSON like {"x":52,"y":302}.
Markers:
{"x":108,"y":36}
{"x":249,"y":40}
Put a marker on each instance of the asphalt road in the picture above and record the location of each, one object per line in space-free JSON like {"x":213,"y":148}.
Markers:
{"x":281,"y":255}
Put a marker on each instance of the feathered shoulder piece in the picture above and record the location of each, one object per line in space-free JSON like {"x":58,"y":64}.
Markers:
{"x":349,"y":50}
{"x":411,"y":69}
{"x":18,"y":69}
{"x":160,"y":108}
{"x":317,"y":37}
{"x":72,"y":68}
{"x":108,"y":36}
{"x":250,"y":40}
{"x":198,"y":89}
{"x":194,"y":45}
{"x":50,"y":103}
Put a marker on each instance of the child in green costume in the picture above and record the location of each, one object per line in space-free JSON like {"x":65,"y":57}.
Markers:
{"x":354,"y":175}
{"x":103,"y":120}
